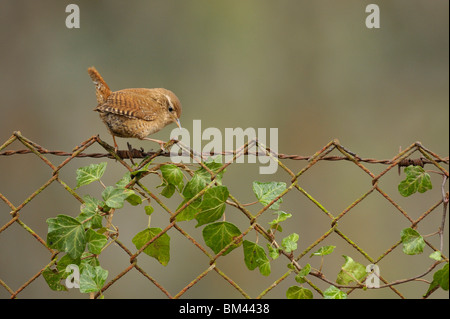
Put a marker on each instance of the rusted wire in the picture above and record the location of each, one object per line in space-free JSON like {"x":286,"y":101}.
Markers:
{"x":136,"y":154}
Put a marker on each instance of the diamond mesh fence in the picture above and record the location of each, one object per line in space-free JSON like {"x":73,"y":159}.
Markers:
{"x":282,"y":239}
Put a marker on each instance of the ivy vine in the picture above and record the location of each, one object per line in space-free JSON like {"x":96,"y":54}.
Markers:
{"x":81,"y":239}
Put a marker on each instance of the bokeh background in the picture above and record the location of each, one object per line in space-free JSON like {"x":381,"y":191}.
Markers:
{"x":309,"y":68}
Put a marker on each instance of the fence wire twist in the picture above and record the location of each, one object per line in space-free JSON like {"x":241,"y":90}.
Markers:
{"x":399,"y":160}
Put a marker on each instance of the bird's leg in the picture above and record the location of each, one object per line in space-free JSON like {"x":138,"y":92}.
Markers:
{"x":161,"y":143}
{"x":116,"y":148}
{"x":130,"y":153}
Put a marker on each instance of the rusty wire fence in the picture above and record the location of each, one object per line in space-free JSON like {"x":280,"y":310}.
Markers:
{"x":277,"y":249}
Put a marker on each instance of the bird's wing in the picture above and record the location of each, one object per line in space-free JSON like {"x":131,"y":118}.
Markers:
{"x":133,"y":103}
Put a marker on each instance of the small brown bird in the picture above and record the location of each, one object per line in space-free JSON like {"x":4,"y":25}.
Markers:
{"x":135,"y":112}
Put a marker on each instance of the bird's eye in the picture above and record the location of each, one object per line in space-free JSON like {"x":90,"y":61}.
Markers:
{"x":170,"y":109}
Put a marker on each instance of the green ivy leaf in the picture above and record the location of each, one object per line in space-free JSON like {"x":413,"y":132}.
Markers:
{"x":289,"y":243}
{"x":92,"y":278}
{"x":213,"y":205}
{"x":140,"y":172}
{"x":95,"y":241}
{"x":281,"y":216}
{"x":190,"y":211}
{"x":87,"y":259}
{"x":274,"y":253}
{"x":436,"y":255}
{"x":350,"y":271}
{"x":218,"y":235}
{"x":417,"y":180}
{"x":66,"y":234}
{"x":440,"y":278}
{"x":168,"y":191}
{"x":65,"y":261}
{"x":194,"y":186}
{"x":54,"y":276}
{"x":159,"y":249}
{"x":255,"y":256}
{"x":134,"y":199}
{"x":89,"y":174}
{"x":90,"y":211}
{"x":267,"y":192}
{"x":53,"y":279}
{"x":295,"y":292}
{"x":264,"y":266}
{"x":302,"y":273}
{"x":334,"y":293}
{"x":325,"y":250}
{"x":412,"y":241}
{"x":124,"y":181}
{"x":149,"y":210}
{"x":115,"y":197}
{"x":277,"y":227}
{"x":173,"y":175}
{"x":213,"y":165}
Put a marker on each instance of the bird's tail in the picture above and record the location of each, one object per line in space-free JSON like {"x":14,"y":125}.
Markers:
{"x":101,"y":88}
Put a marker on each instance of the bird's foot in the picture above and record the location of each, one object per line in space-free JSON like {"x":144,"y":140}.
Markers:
{"x":161,"y":143}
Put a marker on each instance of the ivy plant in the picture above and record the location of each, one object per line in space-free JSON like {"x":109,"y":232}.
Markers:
{"x":203,"y":197}
{"x":418,"y":180}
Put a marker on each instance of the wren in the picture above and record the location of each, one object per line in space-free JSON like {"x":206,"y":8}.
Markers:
{"x":135,"y":113}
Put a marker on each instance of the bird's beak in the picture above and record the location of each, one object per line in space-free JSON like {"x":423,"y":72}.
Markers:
{"x":178,"y":123}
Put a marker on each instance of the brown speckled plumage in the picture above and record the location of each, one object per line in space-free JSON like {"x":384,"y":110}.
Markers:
{"x":135,"y":112}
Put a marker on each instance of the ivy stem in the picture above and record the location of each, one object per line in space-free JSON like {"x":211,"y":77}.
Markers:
{"x":104,"y":186}
{"x":109,"y":219}
{"x":252,"y":203}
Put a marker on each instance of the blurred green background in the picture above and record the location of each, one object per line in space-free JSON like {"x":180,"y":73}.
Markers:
{"x":309,"y":68}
